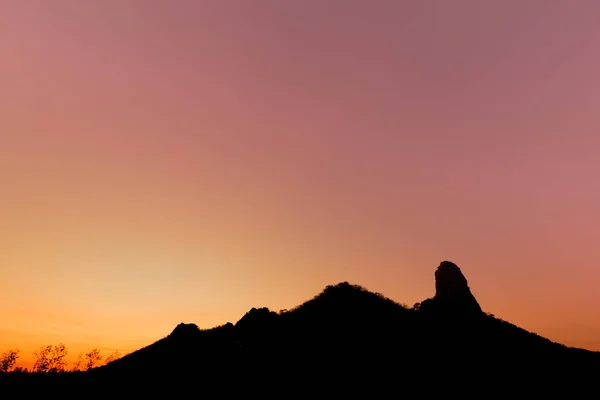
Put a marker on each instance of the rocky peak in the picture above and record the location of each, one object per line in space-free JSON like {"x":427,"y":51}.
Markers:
{"x":451,"y":287}
{"x":450,"y":281}
{"x":453,"y":298}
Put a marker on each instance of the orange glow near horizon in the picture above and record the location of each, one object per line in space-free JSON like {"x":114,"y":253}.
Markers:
{"x":165,"y":162}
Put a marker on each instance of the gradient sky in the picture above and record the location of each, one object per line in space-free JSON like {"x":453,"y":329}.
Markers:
{"x":184,"y":161}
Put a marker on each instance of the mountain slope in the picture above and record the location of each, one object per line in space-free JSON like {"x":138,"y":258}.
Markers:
{"x":349,"y":334}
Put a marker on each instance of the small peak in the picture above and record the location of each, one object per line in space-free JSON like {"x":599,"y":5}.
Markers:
{"x":185,"y":329}
{"x":343,"y":287}
{"x":256,"y":316}
{"x":343,"y":294}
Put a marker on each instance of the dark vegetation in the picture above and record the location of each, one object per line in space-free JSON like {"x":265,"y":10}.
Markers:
{"x":53,"y":359}
{"x":348,"y":339}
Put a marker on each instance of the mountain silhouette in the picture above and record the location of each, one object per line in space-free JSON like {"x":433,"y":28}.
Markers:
{"x":347,"y":339}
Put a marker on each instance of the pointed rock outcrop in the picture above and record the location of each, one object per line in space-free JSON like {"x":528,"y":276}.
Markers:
{"x":453,"y":296}
{"x":450,"y":283}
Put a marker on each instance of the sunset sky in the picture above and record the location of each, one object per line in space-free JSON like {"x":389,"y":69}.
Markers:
{"x":183,"y":161}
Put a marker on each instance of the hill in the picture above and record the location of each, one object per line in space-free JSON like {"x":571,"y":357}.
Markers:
{"x":349,"y":338}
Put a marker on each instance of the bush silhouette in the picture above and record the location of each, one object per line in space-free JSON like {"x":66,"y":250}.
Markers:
{"x":50,"y":359}
{"x":8,"y":360}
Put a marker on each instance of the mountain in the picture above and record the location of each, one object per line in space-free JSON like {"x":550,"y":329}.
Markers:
{"x":349,"y":334}
{"x":348,"y":339}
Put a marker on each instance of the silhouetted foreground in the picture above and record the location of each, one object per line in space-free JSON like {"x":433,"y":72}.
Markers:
{"x":348,"y":339}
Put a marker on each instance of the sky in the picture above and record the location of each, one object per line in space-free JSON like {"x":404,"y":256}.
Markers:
{"x":185,"y":161}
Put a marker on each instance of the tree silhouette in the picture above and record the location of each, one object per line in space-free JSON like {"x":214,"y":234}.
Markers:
{"x":79,"y":363}
{"x":50,"y":359}
{"x":92,"y":359}
{"x":112,"y":357}
{"x":8,"y":360}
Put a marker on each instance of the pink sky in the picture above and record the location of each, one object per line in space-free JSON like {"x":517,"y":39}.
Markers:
{"x":169,"y":161}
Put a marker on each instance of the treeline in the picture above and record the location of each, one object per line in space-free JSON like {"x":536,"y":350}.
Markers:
{"x":53,"y":359}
